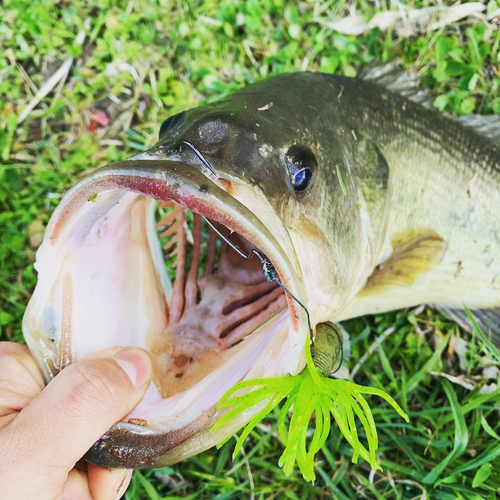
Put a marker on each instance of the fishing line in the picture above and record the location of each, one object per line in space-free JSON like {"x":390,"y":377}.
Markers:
{"x":200,"y":156}
{"x":267,"y":267}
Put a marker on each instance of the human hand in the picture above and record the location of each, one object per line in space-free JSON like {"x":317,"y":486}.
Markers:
{"x":44,"y":432}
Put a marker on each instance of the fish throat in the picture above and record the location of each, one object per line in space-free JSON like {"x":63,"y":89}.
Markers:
{"x":218,"y":297}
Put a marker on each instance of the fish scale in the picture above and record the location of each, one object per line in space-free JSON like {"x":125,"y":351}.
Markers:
{"x":432,"y":161}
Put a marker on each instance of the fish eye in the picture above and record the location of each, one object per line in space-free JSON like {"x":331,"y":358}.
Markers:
{"x":301,"y":164}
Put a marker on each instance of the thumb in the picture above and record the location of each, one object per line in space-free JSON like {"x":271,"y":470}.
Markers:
{"x":79,"y":405}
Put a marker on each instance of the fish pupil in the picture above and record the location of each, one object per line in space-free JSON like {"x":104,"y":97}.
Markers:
{"x":301,"y":178}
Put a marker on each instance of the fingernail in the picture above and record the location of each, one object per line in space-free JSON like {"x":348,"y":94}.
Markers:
{"x":136,"y":363}
{"x":124,"y":485}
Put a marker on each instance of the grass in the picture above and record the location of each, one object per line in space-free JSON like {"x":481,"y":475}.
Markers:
{"x":160,"y":57}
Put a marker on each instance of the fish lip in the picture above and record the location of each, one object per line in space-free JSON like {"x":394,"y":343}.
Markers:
{"x":171,"y":179}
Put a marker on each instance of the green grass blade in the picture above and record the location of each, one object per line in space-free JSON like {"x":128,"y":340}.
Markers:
{"x":477,"y":330}
{"x":479,"y":400}
{"x":431,"y":363}
{"x":414,"y":459}
{"x":461,"y":436}
{"x":334,"y":489}
{"x":489,"y":455}
{"x":488,"y":429}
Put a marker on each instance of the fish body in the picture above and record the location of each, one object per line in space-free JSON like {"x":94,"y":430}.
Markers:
{"x":361,"y":199}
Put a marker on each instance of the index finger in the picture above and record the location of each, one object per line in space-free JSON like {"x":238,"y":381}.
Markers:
{"x":20,"y":380}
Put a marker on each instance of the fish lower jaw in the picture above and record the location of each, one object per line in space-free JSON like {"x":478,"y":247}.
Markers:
{"x":106,"y":280}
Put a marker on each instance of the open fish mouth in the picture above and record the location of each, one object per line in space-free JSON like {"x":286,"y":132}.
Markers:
{"x":142,"y":254}
{"x":207,"y":314}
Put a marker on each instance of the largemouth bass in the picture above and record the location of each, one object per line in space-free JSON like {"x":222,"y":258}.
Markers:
{"x":362,"y":200}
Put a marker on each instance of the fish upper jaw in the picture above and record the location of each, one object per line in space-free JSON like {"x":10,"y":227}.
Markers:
{"x":101,"y":254}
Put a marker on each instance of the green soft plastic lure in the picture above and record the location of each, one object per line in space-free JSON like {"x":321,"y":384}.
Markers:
{"x":310,"y":393}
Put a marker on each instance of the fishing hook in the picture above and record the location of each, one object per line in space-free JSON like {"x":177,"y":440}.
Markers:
{"x":267,"y":267}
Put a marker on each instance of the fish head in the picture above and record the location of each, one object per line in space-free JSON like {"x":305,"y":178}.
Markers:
{"x":282,"y":148}
{"x":172,"y":251}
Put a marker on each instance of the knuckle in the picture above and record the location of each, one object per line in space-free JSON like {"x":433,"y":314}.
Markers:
{"x":18,"y":385}
{"x":10,"y":351}
{"x":99,"y":383}
{"x":9,"y":365}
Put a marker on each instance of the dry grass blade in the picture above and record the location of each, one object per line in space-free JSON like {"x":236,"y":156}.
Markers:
{"x":58,"y":76}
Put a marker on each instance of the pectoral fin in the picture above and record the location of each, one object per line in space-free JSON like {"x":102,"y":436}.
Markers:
{"x":406,"y":264}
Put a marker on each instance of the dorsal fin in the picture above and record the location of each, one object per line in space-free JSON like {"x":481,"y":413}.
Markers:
{"x":394,"y":77}
{"x":487,"y":126}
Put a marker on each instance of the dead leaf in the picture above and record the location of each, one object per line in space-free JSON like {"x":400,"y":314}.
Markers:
{"x":490,"y":372}
{"x":461,"y":380}
{"x":407,"y":22}
{"x":266,"y":106}
{"x":48,"y":86}
{"x":466,"y":382}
